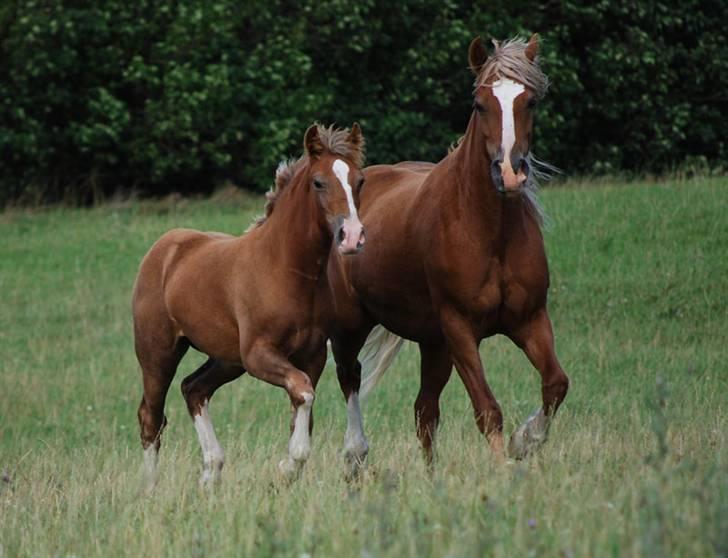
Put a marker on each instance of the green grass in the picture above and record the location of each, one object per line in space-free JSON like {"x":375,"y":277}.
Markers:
{"x":640,"y":292}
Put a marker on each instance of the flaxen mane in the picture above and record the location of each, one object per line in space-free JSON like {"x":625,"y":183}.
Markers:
{"x":509,"y":60}
{"x":335,"y":141}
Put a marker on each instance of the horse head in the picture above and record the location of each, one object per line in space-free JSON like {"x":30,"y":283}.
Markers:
{"x":334,"y":173}
{"x":508,"y":85}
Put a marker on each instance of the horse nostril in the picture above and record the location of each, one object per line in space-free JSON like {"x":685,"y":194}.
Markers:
{"x":525,"y":167}
{"x":495,"y":175}
{"x":341,"y":235}
{"x":362,"y":238}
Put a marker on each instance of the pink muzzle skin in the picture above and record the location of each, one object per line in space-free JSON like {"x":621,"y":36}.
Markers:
{"x":351,"y":236}
{"x":512,"y":182}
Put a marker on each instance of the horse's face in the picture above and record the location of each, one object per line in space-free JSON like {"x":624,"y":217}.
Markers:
{"x":504,"y":110}
{"x":337,"y":182}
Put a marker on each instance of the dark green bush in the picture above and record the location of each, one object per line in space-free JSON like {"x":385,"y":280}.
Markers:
{"x":180,"y":95}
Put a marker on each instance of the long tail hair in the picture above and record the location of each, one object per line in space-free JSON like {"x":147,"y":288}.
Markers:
{"x":376,"y":356}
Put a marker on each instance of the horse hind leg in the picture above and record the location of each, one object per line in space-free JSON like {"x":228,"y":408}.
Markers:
{"x":537,"y":341}
{"x":197,"y":389}
{"x":158,"y":370}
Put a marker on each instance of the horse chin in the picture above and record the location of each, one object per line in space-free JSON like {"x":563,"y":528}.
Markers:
{"x":349,"y":251}
{"x":513,"y":193}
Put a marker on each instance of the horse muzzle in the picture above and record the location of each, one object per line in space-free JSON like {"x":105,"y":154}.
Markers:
{"x":350,"y":236}
{"x":507,"y":181}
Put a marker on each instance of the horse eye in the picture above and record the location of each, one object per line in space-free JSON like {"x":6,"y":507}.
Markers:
{"x":360,"y":185}
{"x":477,"y":106}
{"x":532,"y":103}
{"x":318,"y":185}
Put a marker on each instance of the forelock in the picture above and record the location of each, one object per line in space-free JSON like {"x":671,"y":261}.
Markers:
{"x":509,"y":60}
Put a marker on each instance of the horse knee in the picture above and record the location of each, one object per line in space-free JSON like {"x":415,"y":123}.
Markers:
{"x":300,"y":390}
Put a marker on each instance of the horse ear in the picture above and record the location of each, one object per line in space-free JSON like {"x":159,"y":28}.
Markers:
{"x":477,"y":55}
{"x":312,"y":142}
{"x":355,"y":137}
{"x":532,"y":47}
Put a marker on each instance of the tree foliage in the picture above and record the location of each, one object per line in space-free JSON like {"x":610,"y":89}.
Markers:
{"x":179,"y":95}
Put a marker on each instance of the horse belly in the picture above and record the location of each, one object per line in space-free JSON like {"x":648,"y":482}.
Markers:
{"x":394,"y":292}
{"x":415,"y":322}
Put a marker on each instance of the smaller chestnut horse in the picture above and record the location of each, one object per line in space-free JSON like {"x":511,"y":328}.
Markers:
{"x":258,"y":303}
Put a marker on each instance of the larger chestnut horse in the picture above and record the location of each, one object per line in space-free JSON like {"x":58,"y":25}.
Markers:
{"x":460,"y":257}
{"x":258,"y":303}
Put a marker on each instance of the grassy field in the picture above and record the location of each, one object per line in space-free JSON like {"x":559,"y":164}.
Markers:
{"x":637,"y":463}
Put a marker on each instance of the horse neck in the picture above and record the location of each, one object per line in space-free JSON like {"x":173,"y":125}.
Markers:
{"x":474,"y":189}
{"x":298,"y":237}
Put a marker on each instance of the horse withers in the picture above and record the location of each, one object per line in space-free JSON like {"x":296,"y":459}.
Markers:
{"x":258,"y":303}
{"x":463,"y":260}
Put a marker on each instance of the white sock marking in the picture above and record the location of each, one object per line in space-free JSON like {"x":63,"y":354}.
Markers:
{"x":341,"y":170}
{"x":150,"y":462}
{"x":506,"y":91}
{"x":299,"y":446}
{"x":212,"y":454}
{"x":355,"y":442}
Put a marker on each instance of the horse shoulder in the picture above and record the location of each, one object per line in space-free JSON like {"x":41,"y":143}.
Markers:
{"x":525,"y":269}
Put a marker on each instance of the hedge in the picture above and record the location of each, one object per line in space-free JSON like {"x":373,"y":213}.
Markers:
{"x":181,"y":95}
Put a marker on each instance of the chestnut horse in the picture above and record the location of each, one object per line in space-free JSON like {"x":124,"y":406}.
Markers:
{"x":463,"y":260}
{"x":258,"y":303}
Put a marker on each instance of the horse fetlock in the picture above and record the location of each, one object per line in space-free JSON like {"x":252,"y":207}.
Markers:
{"x":356,"y":448}
{"x":214,"y":461}
{"x":299,"y":452}
{"x":290,"y":468}
{"x":355,"y":455}
{"x":211,"y":471}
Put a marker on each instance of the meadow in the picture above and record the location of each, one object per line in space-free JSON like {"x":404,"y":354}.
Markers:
{"x":636,"y":463}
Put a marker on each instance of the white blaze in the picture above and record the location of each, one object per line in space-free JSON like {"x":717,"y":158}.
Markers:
{"x":341,"y":170}
{"x":506,"y":91}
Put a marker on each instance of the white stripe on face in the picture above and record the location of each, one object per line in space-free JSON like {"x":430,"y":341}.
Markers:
{"x":341,"y":170}
{"x":506,"y":91}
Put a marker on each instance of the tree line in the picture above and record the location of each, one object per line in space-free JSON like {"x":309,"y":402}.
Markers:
{"x":182,"y":95}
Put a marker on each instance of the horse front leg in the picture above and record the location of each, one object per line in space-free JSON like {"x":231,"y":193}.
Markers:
{"x":536,"y":338}
{"x":463,"y":347}
{"x":265,"y":362}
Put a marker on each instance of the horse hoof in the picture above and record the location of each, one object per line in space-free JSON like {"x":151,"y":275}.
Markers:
{"x":290,"y":468}
{"x":209,"y":479}
{"x":529,"y":436}
{"x":354,"y":465}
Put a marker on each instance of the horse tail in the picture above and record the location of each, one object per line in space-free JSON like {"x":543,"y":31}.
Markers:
{"x":376,"y":356}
